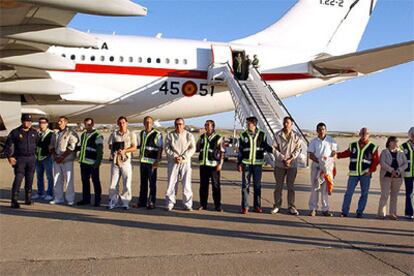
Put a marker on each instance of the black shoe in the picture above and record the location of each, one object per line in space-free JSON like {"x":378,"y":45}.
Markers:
{"x":97,"y":204}
{"x":83,"y":202}
{"x":359,"y":215}
{"x":343,"y":215}
{"x":14,"y":204}
{"x":219,"y":210}
{"x":28,"y":198}
{"x":150,"y":206}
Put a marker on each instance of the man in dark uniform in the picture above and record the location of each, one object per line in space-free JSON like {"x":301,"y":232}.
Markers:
{"x":22,"y":158}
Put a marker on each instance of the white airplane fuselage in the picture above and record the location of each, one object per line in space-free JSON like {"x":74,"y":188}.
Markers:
{"x":139,"y":76}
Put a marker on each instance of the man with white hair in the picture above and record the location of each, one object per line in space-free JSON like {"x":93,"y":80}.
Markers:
{"x":363,"y":162}
{"x":408,"y":149}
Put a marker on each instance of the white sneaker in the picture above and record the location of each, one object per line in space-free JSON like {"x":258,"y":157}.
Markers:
{"x":169,"y":208}
{"x":188,"y":209}
{"x":71,"y":203}
{"x":275,"y":210}
{"x":54,"y":202}
{"x":48,"y":197}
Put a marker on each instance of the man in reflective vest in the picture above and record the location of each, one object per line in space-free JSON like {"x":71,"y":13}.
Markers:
{"x":364,"y":160}
{"x":90,"y":158}
{"x":408,"y":149}
{"x":150,"y":149}
{"x":252,"y":148}
{"x":211,"y":149}
{"x":44,"y":162}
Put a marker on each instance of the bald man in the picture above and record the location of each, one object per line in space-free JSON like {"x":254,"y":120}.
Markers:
{"x":363,"y":161}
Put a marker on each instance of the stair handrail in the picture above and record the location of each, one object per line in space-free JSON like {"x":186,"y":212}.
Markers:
{"x":274,"y":94}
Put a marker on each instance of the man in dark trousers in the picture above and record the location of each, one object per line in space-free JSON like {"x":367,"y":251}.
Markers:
{"x":251,"y":158}
{"x":22,"y":159}
{"x":211,"y":149}
{"x":151,"y":145}
{"x":90,"y":158}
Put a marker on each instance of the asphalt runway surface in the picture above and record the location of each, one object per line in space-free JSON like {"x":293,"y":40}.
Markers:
{"x":44,"y":239}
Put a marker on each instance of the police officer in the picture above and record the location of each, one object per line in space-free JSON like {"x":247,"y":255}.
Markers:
{"x":90,"y":158}
{"x":210,"y":147}
{"x":22,"y":159}
{"x":252,"y":147}
{"x":151,"y":145}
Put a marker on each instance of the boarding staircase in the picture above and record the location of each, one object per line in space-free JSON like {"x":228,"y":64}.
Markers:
{"x":254,"y":97}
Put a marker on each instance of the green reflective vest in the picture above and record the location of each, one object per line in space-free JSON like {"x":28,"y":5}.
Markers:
{"x":252,"y":147}
{"x":42,"y":147}
{"x":149,"y":149}
{"x":361,"y":159}
{"x":409,"y":154}
{"x":89,"y":152}
{"x":208,"y":148}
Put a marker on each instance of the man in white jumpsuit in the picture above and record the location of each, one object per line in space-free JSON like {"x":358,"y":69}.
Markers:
{"x":321,"y":147}
{"x":122,"y":143}
{"x":179,"y":147}
{"x":63,"y":149}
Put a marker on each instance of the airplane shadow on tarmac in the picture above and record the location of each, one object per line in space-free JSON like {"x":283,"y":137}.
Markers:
{"x":228,"y":216}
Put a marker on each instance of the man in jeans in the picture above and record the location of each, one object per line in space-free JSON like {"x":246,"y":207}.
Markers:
{"x":252,"y":148}
{"x":408,"y":149}
{"x":364,"y":160}
{"x":44,"y":162}
{"x":286,"y":149}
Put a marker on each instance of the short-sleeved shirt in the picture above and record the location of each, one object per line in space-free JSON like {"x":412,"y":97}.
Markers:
{"x":322,"y":148}
{"x":129,"y":138}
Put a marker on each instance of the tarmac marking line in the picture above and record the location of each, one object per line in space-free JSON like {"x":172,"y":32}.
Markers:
{"x":354,"y":246}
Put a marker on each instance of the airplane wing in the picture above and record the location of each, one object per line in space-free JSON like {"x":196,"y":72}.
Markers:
{"x":27,"y":29}
{"x":366,"y":62}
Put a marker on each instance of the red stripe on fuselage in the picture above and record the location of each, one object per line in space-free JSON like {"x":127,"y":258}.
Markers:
{"x":139,"y":71}
{"x":176,"y":73}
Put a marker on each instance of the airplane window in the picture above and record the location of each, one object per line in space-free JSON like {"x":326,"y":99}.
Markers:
{"x":185,"y":61}
{"x":131,"y":59}
{"x":72,"y":57}
{"x":121,"y":59}
{"x":176,"y":61}
{"x":148,"y":60}
{"x":92,"y":58}
{"x":158,"y":60}
{"x":140,"y":59}
{"x":82,"y":57}
{"x":102,"y":58}
{"x":111,"y":58}
{"x":63,"y":55}
{"x":167,"y":60}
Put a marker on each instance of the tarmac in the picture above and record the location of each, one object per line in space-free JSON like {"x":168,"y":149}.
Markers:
{"x":44,"y":239}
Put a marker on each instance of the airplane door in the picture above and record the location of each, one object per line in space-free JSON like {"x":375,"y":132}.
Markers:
{"x":221,"y":54}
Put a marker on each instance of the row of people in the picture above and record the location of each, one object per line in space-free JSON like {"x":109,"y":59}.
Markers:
{"x":54,"y":153}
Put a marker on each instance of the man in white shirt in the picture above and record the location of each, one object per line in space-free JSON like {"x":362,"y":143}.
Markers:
{"x":179,"y":147}
{"x":320,"y":149}
{"x":122,"y":143}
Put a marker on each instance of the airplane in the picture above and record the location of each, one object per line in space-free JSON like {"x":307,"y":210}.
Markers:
{"x":49,"y":69}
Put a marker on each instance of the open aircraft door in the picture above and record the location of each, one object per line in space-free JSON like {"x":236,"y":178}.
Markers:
{"x":221,"y":56}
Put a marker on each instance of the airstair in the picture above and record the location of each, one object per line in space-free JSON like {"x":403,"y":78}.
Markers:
{"x":254,"y":97}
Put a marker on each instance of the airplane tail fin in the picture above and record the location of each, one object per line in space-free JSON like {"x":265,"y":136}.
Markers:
{"x":318,"y":26}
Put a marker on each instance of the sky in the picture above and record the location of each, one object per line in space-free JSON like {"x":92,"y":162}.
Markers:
{"x":381,"y":102}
